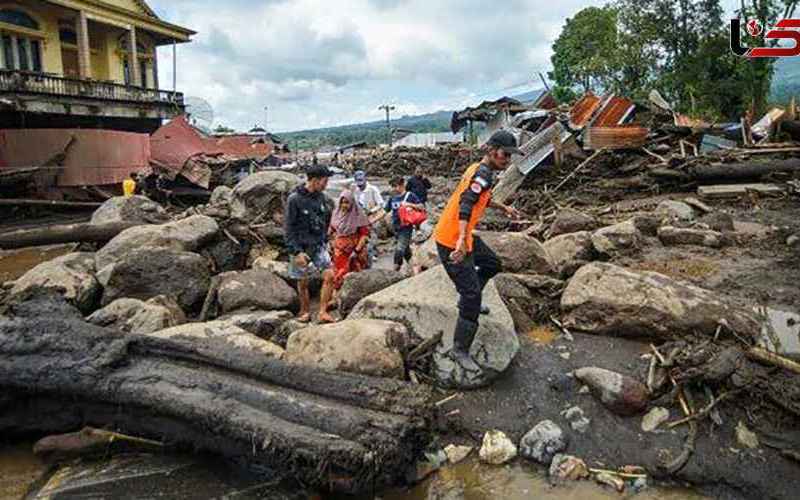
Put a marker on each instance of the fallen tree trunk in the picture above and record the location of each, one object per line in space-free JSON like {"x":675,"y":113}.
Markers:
{"x":727,"y":171}
{"x":66,"y":233}
{"x":327,"y":429}
{"x":19,"y":202}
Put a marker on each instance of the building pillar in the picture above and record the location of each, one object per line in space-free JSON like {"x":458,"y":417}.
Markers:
{"x":133,"y":58}
{"x":155,"y":68}
{"x":15,"y":64}
{"x":84,"y":55}
{"x":3,"y":63}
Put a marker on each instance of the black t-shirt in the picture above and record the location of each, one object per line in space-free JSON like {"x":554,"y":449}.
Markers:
{"x":419,"y":186}
{"x":306,"y":221}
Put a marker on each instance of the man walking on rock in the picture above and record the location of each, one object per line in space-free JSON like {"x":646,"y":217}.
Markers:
{"x":469,"y":263}
{"x":306,"y":222}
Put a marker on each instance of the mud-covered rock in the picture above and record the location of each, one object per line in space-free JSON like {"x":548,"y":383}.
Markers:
{"x":262,"y":196}
{"x":220,"y":331}
{"x":256,"y":289}
{"x":571,"y":221}
{"x":518,"y":252}
{"x":186,"y":235}
{"x":619,"y":393}
{"x":137,"y":316}
{"x":677,"y":210}
{"x":264,"y":324}
{"x":607,"y":299}
{"x":356,"y":286}
{"x":718,"y":221}
{"x":144,"y":273}
{"x":426,"y":304}
{"x":134,"y":209}
{"x":670,"y":235}
{"x":618,"y":238}
{"x":368,"y":347}
{"x":530,"y":298}
{"x":570,"y":251}
{"x":567,"y":468}
{"x":654,"y":418}
{"x":222,"y":195}
{"x":543,"y":442}
{"x":226,"y":255}
{"x":72,"y":275}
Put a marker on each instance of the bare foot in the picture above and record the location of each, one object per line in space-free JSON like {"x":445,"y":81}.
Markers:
{"x":304,"y":318}
{"x":324,"y":317}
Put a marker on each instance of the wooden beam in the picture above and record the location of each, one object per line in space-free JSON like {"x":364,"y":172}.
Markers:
{"x":735,"y":190}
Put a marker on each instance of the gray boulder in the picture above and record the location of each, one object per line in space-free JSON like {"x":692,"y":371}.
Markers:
{"x":136,"y":316}
{"x":365,"y":346}
{"x":612,"y":240}
{"x":72,"y":275}
{"x":186,"y":235}
{"x":222,"y":195}
{"x":264,"y":324}
{"x":686,"y":236}
{"x":356,"y":286}
{"x":677,"y":210}
{"x":255,"y":289}
{"x":719,"y":221}
{"x":426,"y":304}
{"x":134,"y":209}
{"x":426,"y":256}
{"x":262,"y":196}
{"x":543,"y":442}
{"x":147,"y":272}
{"x":530,"y":298}
{"x":606,"y":299}
{"x":570,"y":251}
{"x":518,"y":252}
{"x":571,"y":221}
{"x":218,"y":332}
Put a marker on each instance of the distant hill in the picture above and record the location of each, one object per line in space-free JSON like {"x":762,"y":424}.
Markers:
{"x":375,"y":132}
{"x":786,"y":82}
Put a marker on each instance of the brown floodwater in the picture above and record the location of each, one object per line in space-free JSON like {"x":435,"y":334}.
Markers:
{"x":19,"y":468}
{"x":15,"y":263}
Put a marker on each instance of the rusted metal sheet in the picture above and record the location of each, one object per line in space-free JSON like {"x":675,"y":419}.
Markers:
{"x":614,"y":111}
{"x":583,"y":110}
{"x":620,"y":137}
{"x":81,"y":157}
{"x":689,"y":122}
{"x":241,"y":146}
{"x":177,"y":141}
{"x":545,"y":101}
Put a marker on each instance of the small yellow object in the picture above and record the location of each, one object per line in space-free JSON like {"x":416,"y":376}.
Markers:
{"x":128,"y":187}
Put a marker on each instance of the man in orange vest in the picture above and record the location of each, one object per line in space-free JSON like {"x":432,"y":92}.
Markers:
{"x":469,"y":263}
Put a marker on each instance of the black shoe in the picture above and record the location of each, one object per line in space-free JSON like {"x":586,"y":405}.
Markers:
{"x":485,"y":310}
{"x":463,"y":336}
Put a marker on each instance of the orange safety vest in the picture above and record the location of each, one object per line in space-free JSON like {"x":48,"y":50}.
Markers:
{"x":446,"y":232}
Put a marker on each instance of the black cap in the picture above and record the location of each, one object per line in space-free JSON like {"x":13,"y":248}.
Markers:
{"x":505,"y":140}
{"x":317,"y":171}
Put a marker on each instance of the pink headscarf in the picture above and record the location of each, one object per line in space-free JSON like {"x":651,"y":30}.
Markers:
{"x":347,"y":223}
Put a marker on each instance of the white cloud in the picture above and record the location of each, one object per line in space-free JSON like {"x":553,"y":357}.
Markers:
{"x":324,"y":62}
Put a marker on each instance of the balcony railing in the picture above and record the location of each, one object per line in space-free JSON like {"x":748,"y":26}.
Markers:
{"x":39,"y":83}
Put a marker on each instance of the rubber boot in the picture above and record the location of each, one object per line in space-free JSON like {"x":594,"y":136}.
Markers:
{"x":462,"y":340}
{"x":485,"y":310}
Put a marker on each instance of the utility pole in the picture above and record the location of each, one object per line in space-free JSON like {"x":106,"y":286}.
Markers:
{"x":265,"y":120}
{"x":388,"y":108}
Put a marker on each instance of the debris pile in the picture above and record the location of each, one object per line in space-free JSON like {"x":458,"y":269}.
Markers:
{"x":444,"y":161}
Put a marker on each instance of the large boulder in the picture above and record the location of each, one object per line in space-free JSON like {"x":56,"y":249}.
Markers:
{"x":147,"y":272}
{"x":264,"y":324}
{"x":222,"y":195}
{"x":530,"y":298}
{"x":621,"y":394}
{"x":426,"y":256}
{"x":570,"y":251}
{"x":219,"y":332}
{"x":615,"y":239}
{"x":256,"y":289}
{"x":185,"y":235}
{"x":137,"y":316}
{"x":427,"y":305}
{"x":606,"y":299}
{"x":571,"y":221}
{"x":365,"y":346}
{"x":676,"y":210}
{"x":518,"y":252}
{"x":262,"y":196}
{"x":356,"y":286}
{"x":227,"y":255}
{"x":134,"y":209}
{"x":72,"y":275}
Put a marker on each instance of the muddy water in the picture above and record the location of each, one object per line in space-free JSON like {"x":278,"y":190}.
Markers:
{"x":15,"y":263}
{"x":780,"y":331}
{"x":19,"y":468}
{"x":472,"y":481}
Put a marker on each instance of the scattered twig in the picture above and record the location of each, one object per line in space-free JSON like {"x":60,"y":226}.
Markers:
{"x":759,"y":354}
{"x":658,"y":157}
{"x":448,"y":399}
{"x":625,"y":475}
{"x":578,"y":168}
{"x":704,"y":411}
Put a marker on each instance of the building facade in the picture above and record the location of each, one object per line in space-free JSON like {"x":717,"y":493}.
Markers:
{"x":85,"y":64}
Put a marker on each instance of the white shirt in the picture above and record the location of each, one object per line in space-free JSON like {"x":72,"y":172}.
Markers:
{"x":369,"y":198}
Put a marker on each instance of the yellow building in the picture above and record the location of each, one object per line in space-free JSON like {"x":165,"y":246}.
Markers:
{"x":84,"y":63}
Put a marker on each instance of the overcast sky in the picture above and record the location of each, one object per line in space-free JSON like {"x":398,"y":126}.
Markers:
{"x":317,"y":63}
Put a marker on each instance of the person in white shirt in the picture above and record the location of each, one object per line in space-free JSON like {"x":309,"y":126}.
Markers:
{"x":370,"y":199}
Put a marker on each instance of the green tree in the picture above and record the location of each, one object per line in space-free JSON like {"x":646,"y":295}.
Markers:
{"x":221,"y":129}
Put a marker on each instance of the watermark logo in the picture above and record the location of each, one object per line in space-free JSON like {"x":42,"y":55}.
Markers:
{"x":785,"y":29}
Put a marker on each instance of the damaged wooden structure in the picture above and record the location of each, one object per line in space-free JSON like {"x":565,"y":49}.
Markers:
{"x":330,"y":430}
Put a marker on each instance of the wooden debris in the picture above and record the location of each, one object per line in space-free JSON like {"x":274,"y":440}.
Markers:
{"x":19,"y":202}
{"x":736,"y":190}
{"x":67,"y":233}
{"x":577,"y":169}
{"x":764,"y":356}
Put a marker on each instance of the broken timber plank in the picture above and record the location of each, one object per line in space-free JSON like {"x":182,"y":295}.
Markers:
{"x":735,"y":190}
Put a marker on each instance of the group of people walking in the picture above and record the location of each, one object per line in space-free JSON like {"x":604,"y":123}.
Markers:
{"x":316,"y":230}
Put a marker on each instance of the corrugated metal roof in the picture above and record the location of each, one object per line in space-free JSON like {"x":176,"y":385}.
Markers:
{"x":619,"y":137}
{"x":91,"y":157}
{"x":615,"y":111}
{"x":582,"y":111}
{"x":540,"y":147}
